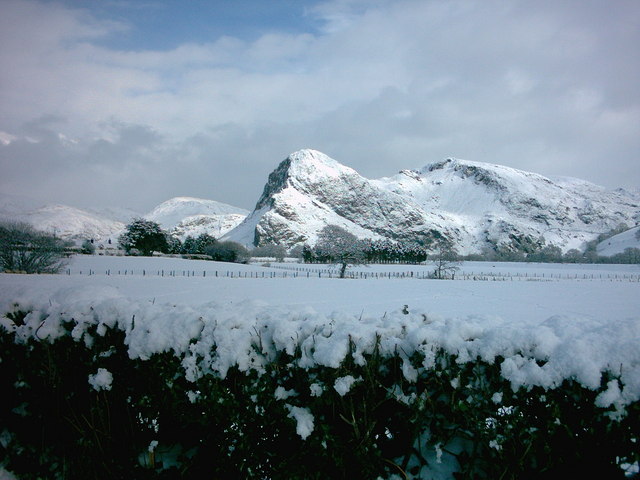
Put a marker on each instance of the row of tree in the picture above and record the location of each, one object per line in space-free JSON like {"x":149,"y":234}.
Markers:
{"x":144,"y":237}
{"x":553,"y":254}
{"x":336,"y":245}
{"x":381,"y":251}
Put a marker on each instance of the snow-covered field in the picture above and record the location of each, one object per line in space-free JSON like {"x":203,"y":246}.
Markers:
{"x":526,"y":292}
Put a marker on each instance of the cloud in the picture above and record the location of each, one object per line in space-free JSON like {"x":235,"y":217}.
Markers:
{"x":546,"y":87}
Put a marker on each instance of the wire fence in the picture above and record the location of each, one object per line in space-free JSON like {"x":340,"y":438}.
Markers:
{"x":304,"y":272}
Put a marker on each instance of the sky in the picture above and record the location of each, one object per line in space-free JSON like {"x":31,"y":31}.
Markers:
{"x":131,"y":102}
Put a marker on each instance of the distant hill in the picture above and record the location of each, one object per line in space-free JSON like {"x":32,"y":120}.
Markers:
{"x":184,"y":216}
{"x":181,"y":216}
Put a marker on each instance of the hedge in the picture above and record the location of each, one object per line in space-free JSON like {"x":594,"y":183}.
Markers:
{"x":81,"y":399}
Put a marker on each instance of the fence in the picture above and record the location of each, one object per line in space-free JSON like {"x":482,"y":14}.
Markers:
{"x":304,"y":272}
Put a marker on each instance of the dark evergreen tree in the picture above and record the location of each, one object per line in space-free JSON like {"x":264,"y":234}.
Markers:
{"x":145,"y":236}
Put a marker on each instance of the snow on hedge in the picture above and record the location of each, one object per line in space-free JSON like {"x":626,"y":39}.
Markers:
{"x":212,"y":338}
{"x":101,"y":380}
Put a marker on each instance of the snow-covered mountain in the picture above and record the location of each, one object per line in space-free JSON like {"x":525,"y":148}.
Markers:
{"x":476,"y":205}
{"x":182,"y":216}
{"x":188,"y":216}
{"x":73,"y":223}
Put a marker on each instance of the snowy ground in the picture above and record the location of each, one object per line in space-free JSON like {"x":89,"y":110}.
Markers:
{"x":533,"y":293}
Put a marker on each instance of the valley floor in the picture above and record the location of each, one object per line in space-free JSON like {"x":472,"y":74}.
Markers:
{"x":513,"y":291}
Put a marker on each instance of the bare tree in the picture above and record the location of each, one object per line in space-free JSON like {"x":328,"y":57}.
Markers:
{"x":338,"y":246}
{"x":446,"y":261}
{"x":24,"y":249}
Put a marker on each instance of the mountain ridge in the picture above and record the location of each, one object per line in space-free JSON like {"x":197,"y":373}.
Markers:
{"x":475,"y":205}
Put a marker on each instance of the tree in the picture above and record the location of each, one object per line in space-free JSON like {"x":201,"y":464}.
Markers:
{"x":446,"y":261}
{"x":547,"y":254}
{"x":296,"y":252}
{"x":88,"y":248}
{"x":338,"y":246}
{"x":145,"y":236}
{"x":573,"y":256}
{"x":270,"y":250}
{"x":227,"y":252}
{"x":24,"y":249}
{"x":308,"y":254}
{"x":174,"y":245}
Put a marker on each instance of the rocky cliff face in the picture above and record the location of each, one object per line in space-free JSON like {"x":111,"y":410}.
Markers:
{"x":476,"y":205}
{"x":309,"y":190}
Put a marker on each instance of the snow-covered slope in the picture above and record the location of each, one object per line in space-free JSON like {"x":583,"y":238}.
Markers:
{"x":185,"y":216}
{"x":182,"y":216}
{"x":214,"y":225}
{"x":64,"y":221}
{"x":498,"y":205}
{"x":72,"y":223}
{"x":619,"y":243}
{"x":476,"y":205}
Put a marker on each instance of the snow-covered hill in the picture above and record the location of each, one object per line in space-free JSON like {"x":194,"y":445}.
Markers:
{"x":184,"y":216}
{"x":476,"y":205}
{"x":66,"y":222}
{"x":214,"y":225}
{"x":73,"y":223}
{"x":619,"y":243}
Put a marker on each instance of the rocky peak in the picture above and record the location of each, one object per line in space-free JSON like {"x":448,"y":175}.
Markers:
{"x":302,"y":170}
{"x":276,"y":182}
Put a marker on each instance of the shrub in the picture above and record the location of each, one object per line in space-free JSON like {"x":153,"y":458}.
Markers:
{"x":24,"y":249}
{"x":227,"y":252}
